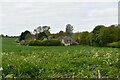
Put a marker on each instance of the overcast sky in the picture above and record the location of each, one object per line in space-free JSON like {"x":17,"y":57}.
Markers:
{"x":16,"y":17}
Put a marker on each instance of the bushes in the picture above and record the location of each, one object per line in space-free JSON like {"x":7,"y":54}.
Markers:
{"x":24,"y":42}
{"x":41,"y":43}
{"x":114,"y":44}
{"x":100,"y":36}
{"x":51,"y":43}
{"x":34,"y":43}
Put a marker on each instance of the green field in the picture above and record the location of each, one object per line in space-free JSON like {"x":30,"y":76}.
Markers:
{"x":58,"y":61}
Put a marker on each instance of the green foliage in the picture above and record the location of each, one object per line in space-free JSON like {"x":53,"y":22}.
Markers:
{"x":83,"y":38}
{"x":107,"y":35}
{"x":42,"y":32}
{"x":23,"y":35}
{"x":35,"y":43}
{"x":114,"y":44}
{"x":89,"y":39}
{"x":96,"y":31}
{"x":100,"y":36}
{"x":76,"y":36}
{"x":9,"y":76}
{"x":41,"y":29}
{"x":45,"y":43}
{"x":118,"y":33}
{"x":24,"y":42}
{"x":61,"y":33}
{"x":41,"y":36}
{"x":51,"y":43}
{"x":58,"y":61}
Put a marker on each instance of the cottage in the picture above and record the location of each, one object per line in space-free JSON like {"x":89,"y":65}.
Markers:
{"x":67,"y":41}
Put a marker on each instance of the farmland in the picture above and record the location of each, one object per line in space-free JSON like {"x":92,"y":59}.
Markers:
{"x":58,"y":61}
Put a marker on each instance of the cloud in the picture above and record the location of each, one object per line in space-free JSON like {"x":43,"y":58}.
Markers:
{"x":59,"y":1}
{"x":104,"y":12}
{"x":18,"y":17}
{"x":2,"y":15}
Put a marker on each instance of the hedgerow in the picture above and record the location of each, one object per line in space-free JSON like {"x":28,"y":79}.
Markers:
{"x":114,"y":44}
{"x":52,"y":42}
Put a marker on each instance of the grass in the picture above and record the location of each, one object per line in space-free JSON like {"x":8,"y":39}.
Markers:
{"x":58,"y":61}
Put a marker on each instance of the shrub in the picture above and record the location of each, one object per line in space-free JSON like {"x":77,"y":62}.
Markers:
{"x":51,"y":43}
{"x":45,"y":43}
{"x":35,"y":43}
{"x":24,"y":42}
{"x":114,"y":44}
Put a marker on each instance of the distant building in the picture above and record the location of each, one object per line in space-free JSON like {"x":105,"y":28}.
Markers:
{"x":67,"y":41}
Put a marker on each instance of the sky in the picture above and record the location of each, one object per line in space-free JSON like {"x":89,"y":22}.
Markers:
{"x":16,"y":17}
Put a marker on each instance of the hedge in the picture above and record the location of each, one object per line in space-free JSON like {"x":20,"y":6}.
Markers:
{"x":114,"y":44}
{"x":24,"y":42}
{"x":52,"y":42}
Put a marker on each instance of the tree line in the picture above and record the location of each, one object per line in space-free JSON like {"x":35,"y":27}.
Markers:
{"x":100,"y":36}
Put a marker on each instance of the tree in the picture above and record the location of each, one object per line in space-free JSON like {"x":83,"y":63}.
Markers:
{"x":38,"y":30}
{"x":89,"y":39}
{"x":46,"y":28}
{"x":76,"y":36}
{"x":23,"y":35}
{"x":41,"y":36}
{"x":95,"y":32}
{"x":1,"y":35}
{"x":118,"y":27}
{"x":108,"y":35}
{"x":42,"y":29}
{"x":97,"y":29}
{"x":61,"y":33}
{"x":69,"y":28}
{"x":83,"y":37}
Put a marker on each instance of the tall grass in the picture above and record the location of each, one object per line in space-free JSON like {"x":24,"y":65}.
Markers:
{"x":58,"y":61}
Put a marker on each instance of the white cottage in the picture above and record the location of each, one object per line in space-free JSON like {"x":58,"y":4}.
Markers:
{"x":67,"y":41}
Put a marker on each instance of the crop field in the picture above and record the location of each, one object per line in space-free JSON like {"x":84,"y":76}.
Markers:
{"x":58,"y":61}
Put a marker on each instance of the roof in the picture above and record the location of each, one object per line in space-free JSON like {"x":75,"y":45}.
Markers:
{"x":66,"y":39}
